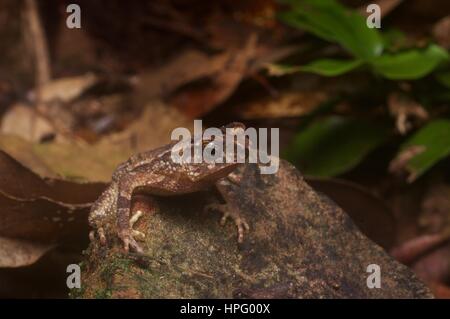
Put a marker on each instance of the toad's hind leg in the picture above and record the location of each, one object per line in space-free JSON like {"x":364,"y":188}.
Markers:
{"x":102,"y":211}
{"x":125,"y":221}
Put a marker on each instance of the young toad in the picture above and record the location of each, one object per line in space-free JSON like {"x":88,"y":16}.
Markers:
{"x":155,"y":173}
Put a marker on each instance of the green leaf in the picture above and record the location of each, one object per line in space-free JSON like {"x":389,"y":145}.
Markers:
{"x":334,"y":145}
{"x":394,"y":39}
{"x":282,"y":69}
{"x":411,"y":64}
{"x":444,"y":78}
{"x":330,"y":67}
{"x":331,"y":21}
{"x":435,"y":138}
{"x":325,"y":67}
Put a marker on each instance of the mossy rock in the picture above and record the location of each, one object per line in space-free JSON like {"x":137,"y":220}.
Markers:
{"x":300,"y":245}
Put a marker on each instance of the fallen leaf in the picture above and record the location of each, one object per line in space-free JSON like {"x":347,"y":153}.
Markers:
{"x":97,"y":162}
{"x":212,"y":77}
{"x":23,"y":121}
{"x":23,"y":151}
{"x":441,"y":32}
{"x":19,"y":253}
{"x":430,"y":144}
{"x":435,"y":212}
{"x":39,"y":215}
{"x":329,"y":146}
{"x":288,"y":104}
{"x":65,"y":89}
{"x":398,"y":164}
{"x":43,"y":220}
{"x":201,"y":99}
{"x":19,"y":182}
{"x":47,"y":210}
{"x":193,"y":65}
{"x":413,"y":249}
{"x":188,"y":66}
{"x":406,"y":111}
{"x":439,"y":290}
{"x":434,"y":266}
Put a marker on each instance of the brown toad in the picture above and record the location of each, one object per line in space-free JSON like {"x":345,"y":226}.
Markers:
{"x":155,"y":173}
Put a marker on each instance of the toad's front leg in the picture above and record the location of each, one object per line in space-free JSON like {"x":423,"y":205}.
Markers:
{"x":124,"y":222}
{"x":230,"y":209}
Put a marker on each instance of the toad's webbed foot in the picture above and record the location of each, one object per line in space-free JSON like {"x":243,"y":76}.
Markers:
{"x":228,"y":188}
{"x":136,"y":233}
{"x":101,"y":234}
{"x":130,"y":235}
{"x":241,"y":224}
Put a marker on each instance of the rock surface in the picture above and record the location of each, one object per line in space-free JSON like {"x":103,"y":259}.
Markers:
{"x":300,"y":245}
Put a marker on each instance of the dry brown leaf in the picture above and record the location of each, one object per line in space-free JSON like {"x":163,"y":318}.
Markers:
{"x":18,"y":181}
{"x":97,"y":162}
{"x":189,"y":66}
{"x":213,"y":78}
{"x":202,"y":99}
{"x":151,"y":130}
{"x":43,"y":210}
{"x":18,"y":253}
{"x":65,"y":89}
{"x":50,"y":115}
{"x":43,"y":220}
{"x":435,"y":265}
{"x":53,"y":211}
{"x":435,"y":213}
{"x":39,"y":214}
{"x":398,"y":165}
{"x":413,"y":249}
{"x":23,"y":121}
{"x":441,"y":32}
{"x":290,"y":104}
{"x":67,"y":160}
{"x":439,"y":290}
{"x":406,"y":111}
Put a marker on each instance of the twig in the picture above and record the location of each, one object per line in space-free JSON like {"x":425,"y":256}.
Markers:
{"x":411,"y":250}
{"x":39,"y":48}
{"x":39,"y":45}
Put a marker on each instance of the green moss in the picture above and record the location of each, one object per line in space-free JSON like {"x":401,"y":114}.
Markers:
{"x":108,"y":270}
{"x":103,"y":294}
{"x":77,"y":293}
